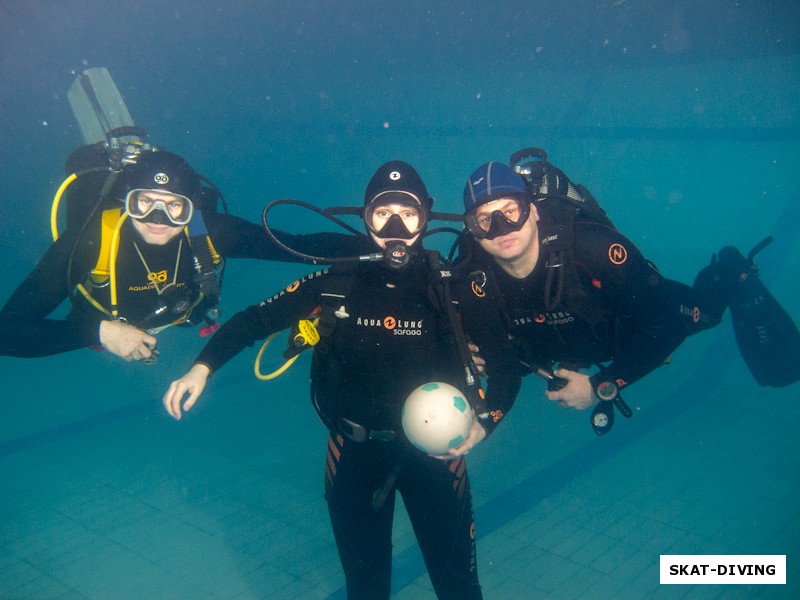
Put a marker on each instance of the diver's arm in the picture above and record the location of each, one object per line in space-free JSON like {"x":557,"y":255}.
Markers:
{"x":637,"y":292}
{"x":25,"y":330}
{"x":502,"y":387}
{"x":483,"y":323}
{"x":242,"y":330}
{"x":234,"y":237}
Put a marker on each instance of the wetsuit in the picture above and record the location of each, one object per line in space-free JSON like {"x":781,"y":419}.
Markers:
{"x":616,"y":310}
{"x":25,"y":330}
{"x":388,"y":338}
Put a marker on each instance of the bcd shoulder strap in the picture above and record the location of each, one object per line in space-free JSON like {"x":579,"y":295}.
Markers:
{"x":110,"y":222}
{"x":206,"y":258}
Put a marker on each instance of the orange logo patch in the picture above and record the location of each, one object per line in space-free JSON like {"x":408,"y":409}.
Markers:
{"x":617,"y":254}
{"x":477,"y":290}
{"x":292,"y":287}
{"x":539,"y":318}
{"x":389,"y":322}
{"x":696,"y":314}
{"x":497,"y":415}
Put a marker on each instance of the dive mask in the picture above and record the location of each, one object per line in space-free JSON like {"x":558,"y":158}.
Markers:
{"x":510,"y":215}
{"x":157,"y":206}
{"x":384,"y":223}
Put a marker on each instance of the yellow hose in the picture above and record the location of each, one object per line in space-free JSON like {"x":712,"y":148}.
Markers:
{"x":279,"y":371}
{"x":309,"y":332}
{"x":56,"y":201}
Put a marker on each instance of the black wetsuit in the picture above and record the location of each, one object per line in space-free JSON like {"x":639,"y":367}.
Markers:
{"x":616,"y":310}
{"x":25,"y":330}
{"x":392,"y":339}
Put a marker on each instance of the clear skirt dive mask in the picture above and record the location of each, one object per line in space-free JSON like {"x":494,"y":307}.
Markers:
{"x":509,"y":214}
{"x":382,"y":217}
{"x":156,"y":206}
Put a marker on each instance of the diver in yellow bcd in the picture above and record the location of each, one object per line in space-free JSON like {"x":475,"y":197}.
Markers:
{"x":144,"y":244}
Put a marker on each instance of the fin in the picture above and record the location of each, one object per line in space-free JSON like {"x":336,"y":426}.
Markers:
{"x":768,"y":339}
{"x":718,"y":282}
{"x":99,"y":108}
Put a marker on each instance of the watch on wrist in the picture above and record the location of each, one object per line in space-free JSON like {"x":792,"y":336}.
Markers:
{"x":606,"y":390}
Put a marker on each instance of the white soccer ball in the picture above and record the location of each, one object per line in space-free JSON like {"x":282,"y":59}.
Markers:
{"x":436,"y":417}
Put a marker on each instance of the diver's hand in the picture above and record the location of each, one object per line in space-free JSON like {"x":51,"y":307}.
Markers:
{"x":193,"y":383}
{"x":576,"y":394}
{"x":477,"y":358}
{"x":126,"y":341}
{"x":476,"y":435}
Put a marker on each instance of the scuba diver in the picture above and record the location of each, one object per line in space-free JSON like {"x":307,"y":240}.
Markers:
{"x":144,"y":245}
{"x":575,"y":292}
{"x":384,"y":332}
{"x":149,"y":261}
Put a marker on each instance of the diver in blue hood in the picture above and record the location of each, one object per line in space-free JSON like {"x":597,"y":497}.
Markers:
{"x":575,"y":293}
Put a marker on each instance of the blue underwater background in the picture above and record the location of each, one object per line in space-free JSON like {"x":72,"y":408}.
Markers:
{"x":682,"y":118}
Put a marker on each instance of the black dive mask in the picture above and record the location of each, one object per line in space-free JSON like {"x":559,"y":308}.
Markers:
{"x":395,"y":228}
{"x":499,"y":223}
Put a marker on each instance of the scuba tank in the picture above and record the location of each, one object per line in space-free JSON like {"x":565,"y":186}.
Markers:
{"x":112,"y":140}
{"x":546,"y":181}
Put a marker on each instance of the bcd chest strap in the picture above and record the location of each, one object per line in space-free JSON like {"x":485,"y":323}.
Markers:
{"x":557,"y":238}
{"x":110,"y":224}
